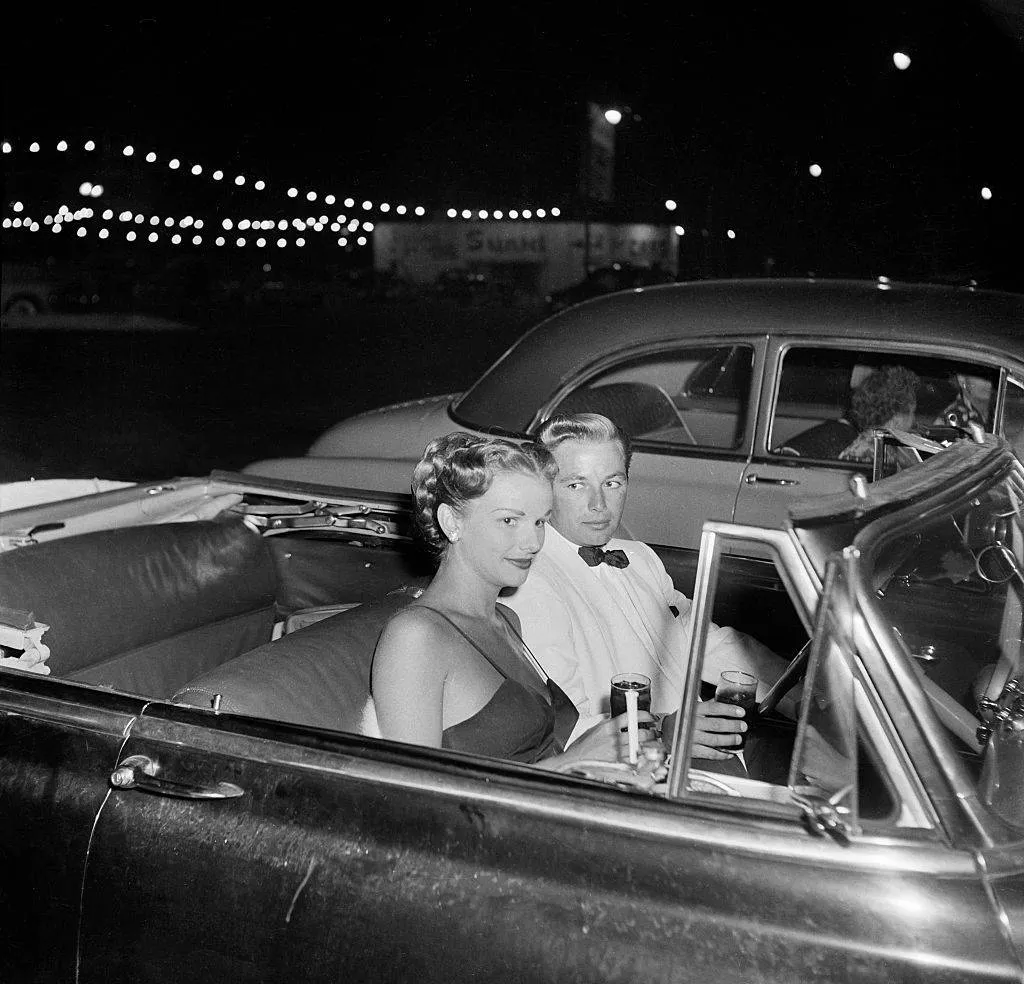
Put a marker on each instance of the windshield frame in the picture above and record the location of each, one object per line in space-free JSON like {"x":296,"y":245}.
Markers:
{"x":953,"y":792}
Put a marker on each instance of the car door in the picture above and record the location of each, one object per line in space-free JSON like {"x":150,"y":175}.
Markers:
{"x":810,"y":382}
{"x":58,"y":745}
{"x":344,"y":860}
{"x":690,"y":411}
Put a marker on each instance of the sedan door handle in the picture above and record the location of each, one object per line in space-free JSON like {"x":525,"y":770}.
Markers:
{"x":760,"y":479}
{"x":139,"y":772}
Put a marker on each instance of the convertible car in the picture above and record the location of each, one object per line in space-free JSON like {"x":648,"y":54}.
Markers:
{"x":712,"y":380}
{"x":192,"y":788}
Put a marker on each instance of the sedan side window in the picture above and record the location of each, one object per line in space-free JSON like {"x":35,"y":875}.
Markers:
{"x":829,"y":400}
{"x":696,"y":397}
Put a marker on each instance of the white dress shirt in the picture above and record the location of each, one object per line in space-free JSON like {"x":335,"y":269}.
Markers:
{"x":585,"y":624}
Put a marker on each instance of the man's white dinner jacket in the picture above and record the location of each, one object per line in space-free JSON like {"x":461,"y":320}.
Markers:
{"x":585,"y":624}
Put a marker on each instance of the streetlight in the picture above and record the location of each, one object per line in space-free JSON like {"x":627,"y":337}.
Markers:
{"x":598,"y":166}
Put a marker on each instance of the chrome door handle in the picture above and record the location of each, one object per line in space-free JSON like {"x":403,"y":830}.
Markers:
{"x":139,"y":772}
{"x":760,"y":479}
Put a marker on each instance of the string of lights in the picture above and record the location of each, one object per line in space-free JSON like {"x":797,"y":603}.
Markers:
{"x":218,"y":175}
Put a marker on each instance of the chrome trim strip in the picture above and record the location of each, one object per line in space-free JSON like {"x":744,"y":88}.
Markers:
{"x":16,"y":703}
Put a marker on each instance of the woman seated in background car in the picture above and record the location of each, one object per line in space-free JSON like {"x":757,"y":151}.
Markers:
{"x":886,"y":399}
{"x":451,"y":669}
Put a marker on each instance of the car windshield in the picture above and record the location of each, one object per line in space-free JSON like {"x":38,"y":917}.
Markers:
{"x":952,"y":588}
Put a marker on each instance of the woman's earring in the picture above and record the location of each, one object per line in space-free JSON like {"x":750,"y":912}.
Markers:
{"x":453,"y":536}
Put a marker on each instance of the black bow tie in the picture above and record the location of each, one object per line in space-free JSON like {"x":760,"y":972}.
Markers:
{"x":595,"y":555}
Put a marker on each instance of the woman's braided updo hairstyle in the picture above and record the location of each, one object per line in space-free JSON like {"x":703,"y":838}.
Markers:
{"x":459,"y":467}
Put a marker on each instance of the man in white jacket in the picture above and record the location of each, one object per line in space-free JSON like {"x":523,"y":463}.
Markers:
{"x":595,"y":605}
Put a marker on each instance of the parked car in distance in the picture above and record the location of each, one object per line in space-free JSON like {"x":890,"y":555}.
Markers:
{"x":183,"y":796}
{"x":606,"y":280}
{"x":31,"y":289}
{"x":711,"y":380}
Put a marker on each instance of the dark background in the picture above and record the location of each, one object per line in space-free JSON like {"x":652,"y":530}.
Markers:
{"x":478,"y":106}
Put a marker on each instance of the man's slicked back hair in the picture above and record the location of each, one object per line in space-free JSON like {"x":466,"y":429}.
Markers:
{"x":588,"y":428}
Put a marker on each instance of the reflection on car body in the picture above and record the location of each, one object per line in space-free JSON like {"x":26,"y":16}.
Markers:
{"x":607,"y":280}
{"x":711,"y":380}
{"x":183,"y":795}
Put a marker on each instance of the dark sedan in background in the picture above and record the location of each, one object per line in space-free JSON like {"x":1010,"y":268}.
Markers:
{"x":711,"y":380}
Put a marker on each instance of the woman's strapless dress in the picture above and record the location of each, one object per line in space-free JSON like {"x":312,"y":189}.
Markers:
{"x":519,"y":722}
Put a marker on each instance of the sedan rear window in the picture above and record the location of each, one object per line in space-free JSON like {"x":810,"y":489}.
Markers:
{"x":689,"y":397}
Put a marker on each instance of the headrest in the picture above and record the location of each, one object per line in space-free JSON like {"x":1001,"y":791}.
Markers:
{"x":109,"y":592}
{"x":317,"y":676}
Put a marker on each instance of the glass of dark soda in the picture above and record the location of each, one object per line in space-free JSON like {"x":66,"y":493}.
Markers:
{"x":622,"y":682}
{"x":736,"y":687}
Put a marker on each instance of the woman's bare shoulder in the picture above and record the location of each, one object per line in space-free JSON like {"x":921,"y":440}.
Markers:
{"x":414,"y":631}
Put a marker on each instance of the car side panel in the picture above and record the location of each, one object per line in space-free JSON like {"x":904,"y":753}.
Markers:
{"x":56,"y":754}
{"x":358,"y":861}
{"x":671,"y":495}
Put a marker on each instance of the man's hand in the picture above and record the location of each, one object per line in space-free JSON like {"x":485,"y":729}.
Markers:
{"x":606,"y":742}
{"x":718,"y":729}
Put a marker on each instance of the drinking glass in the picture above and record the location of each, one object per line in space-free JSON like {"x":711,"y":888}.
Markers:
{"x":739,"y":688}
{"x":622,"y":682}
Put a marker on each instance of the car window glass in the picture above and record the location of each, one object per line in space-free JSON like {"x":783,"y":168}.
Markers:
{"x":827,"y":754}
{"x":953,"y":590}
{"x":693,"y":397}
{"x":1013,"y":413}
{"x":829,"y":399}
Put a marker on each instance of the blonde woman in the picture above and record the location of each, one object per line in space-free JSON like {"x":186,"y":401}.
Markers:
{"x":451,"y":670}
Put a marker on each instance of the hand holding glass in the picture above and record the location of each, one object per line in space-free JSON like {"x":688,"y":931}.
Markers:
{"x":736,"y":687}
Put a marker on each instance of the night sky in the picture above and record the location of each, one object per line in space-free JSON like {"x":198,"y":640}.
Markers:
{"x":482,"y":106}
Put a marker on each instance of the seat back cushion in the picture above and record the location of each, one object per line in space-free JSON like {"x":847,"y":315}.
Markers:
{"x":145,"y":608}
{"x":318,"y":676}
{"x":314,"y":571}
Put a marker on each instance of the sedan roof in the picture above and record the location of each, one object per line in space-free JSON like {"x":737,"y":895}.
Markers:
{"x":507,"y":396}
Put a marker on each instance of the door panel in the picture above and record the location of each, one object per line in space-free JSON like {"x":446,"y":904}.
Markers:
{"x":767,"y":489}
{"x":346,"y":859}
{"x":58,"y":744}
{"x":671,"y":495}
